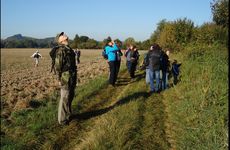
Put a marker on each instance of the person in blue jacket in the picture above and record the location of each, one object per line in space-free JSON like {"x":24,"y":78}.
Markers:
{"x":111,"y":51}
{"x":175,"y":71}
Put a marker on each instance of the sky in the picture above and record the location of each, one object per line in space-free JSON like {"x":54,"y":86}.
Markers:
{"x":97,"y":19}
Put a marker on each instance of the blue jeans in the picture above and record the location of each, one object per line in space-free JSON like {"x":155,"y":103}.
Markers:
{"x":147,"y":80}
{"x":128,"y":64}
{"x":164,"y":80}
{"x":154,"y":75}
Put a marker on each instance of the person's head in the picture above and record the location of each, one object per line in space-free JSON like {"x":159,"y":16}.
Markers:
{"x":62,"y":38}
{"x":167,"y":52}
{"x":155,"y":47}
{"x":131,"y":46}
{"x":174,"y":61}
{"x":134,"y":48}
{"x":109,"y":41}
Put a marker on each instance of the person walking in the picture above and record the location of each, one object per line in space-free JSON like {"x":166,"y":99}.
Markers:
{"x":36,"y":57}
{"x":111,"y":51}
{"x":65,"y":65}
{"x":154,"y":67}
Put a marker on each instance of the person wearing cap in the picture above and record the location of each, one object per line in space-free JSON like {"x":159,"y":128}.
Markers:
{"x":36,"y":57}
{"x":65,"y":65}
{"x":111,"y":51}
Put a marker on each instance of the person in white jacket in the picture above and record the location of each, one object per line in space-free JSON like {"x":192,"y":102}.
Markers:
{"x":36,"y":57}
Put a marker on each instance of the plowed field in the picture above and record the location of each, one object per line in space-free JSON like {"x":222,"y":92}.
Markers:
{"x":21,"y":82}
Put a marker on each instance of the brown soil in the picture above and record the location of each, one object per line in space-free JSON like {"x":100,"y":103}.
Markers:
{"x":20,"y":86}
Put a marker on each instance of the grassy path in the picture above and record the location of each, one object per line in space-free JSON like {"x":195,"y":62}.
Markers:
{"x":123,"y":117}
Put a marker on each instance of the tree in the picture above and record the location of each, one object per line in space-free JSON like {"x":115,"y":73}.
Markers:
{"x":2,"y":43}
{"x":210,"y":33}
{"x":157,"y":32}
{"x":220,"y":12}
{"x":84,"y":38}
{"x":129,"y":41}
{"x":145,"y":45}
{"x":183,"y":30}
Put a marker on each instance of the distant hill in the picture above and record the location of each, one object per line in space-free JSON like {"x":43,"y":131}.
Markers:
{"x":20,"y":41}
{"x":20,"y":37}
{"x":15,"y":37}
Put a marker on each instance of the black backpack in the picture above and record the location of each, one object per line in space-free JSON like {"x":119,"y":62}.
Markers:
{"x":104,"y":55}
{"x":53,"y":56}
{"x":36,"y":55}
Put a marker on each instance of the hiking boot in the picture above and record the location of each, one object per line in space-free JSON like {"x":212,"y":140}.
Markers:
{"x":65,"y":123}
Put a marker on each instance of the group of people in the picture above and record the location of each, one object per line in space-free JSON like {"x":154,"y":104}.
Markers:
{"x":64,"y":59}
{"x":159,"y":68}
{"x":156,"y":63}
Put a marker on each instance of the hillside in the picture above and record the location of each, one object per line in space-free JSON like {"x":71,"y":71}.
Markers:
{"x":20,"y":41}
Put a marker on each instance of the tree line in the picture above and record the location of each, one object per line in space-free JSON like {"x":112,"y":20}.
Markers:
{"x":169,"y":34}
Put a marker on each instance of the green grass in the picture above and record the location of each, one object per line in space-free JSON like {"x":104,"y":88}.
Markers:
{"x":29,"y":128}
{"x":191,"y":115}
{"x":198,"y":105}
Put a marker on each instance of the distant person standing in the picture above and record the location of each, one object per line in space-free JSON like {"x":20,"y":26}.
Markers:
{"x":65,"y":65}
{"x":134,"y":56}
{"x":111,"y":51}
{"x":145,"y":65}
{"x":78,"y":56}
{"x":36,"y":57}
{"x":128,"y":57}
{"x":118,"y":58}
{"x":175,"y":71}
{"x":165,"y":64}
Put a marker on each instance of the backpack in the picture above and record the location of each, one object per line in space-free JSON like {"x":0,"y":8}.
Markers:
{"x":36,"y":55}
{"x":105,"y":56}
{"x":63,"y":59}
{"x":53,"y":56}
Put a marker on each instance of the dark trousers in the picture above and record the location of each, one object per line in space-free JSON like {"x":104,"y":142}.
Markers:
{"x":132,"y":69}
{"x":113,"y":72}
{"x":128,"y":64}
{"x":78,"y":60}
{"x":118,"y":64}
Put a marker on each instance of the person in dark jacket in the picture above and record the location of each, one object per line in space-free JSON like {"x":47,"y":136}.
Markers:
{"x":154,"y":67}
{"x":118,"y":59}
{"x":145,"y":65}
{"x":165,"y":70}
{"x":128,"y":58}
{"x":134,"y":56}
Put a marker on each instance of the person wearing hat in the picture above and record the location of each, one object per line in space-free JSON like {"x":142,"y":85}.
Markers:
{"x":111,"y":51}
{"x":65,"y":65}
